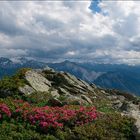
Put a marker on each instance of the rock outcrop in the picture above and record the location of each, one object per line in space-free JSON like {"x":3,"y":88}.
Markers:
{"x":65,"y":88}
{"x":129,"y":106}
{"x":133,"y":111}
{"x":58,"y":84}
{"x":37,"y":81}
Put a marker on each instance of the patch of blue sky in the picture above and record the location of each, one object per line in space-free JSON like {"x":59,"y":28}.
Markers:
{"x":95,"y":6}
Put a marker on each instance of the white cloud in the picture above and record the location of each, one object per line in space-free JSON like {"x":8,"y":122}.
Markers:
{"x":67,"y":29}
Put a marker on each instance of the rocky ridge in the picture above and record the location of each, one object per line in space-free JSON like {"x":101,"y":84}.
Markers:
{"x":65,"y":88}
{"x":76,"y":91}
{"x":58,"y":84}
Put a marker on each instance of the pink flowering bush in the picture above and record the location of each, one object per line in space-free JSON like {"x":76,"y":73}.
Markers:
{"x":70,"y":121}
{"x":57,"y":117}
{"x":48,"y":118}
{"x":4,"y":111}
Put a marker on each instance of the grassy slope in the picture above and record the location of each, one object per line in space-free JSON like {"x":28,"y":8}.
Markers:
{"x":109,"y":125}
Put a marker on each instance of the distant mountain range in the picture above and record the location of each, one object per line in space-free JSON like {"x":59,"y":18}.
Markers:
{"x":115,"y":76}
{"x":9,"y":67}
{"x":86,"y":74}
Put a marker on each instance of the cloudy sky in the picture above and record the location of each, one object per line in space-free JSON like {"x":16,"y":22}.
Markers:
{"x":101,"y":31}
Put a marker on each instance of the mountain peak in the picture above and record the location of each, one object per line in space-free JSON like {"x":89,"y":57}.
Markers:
{"x":5,"y":62}
{"x":3,"y":59}
{"x":68,"y":62}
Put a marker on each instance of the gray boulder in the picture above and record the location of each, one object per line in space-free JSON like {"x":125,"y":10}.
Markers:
{"x":55,"y":93}
{"x":75,"y":100}
{"x":133,"y":111}
{"x":37,"y":81}
{"x":26,"y":89}
{"x":86,"y":99}
{"x":117,"y":104}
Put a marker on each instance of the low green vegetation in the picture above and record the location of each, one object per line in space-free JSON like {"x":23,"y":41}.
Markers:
{"x":106,"y":126}
{"x":103,"y":105}
{"x":9,"y":85}
{"x":38,"y":98}
{"x":31,"y":117}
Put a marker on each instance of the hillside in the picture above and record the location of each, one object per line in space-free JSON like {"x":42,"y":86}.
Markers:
{"x":120,"y":80}
{"x":46,"y":104}
{"x":9,"y":67}
{"x":86,"y":74}
{"x":122,"y":77}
